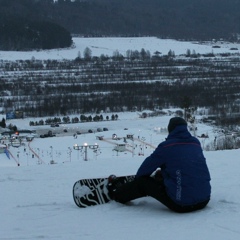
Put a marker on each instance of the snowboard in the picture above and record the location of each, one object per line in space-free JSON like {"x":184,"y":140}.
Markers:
{"x":90,"y":192}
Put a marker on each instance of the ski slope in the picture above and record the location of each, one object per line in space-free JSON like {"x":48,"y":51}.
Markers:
{"x":36,"y":198}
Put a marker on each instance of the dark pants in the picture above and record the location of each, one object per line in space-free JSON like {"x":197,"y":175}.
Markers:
{"x":148,"y":186}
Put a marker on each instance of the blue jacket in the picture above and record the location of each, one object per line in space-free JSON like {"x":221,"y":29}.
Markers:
{"x":183,"y":166}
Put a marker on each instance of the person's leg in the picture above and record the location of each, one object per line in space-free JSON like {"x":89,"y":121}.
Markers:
{"x":140,"y":187}
{"x":124,"y":193}
{"x":155,"y":188}
{"x":148,"y":186}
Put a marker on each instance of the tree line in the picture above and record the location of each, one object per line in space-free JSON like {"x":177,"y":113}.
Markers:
{"x":66,"y":120}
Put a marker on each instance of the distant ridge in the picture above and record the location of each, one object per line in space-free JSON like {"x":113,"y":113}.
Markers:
{"x":178,"y":19}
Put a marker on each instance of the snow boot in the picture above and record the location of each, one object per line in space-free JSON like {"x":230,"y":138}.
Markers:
{"x":113,"y":184}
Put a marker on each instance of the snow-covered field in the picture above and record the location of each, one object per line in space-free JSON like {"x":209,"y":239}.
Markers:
{"x":36,"y":199}
{"x":108,"y":46}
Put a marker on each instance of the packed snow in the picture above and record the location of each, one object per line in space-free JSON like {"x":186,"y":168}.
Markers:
{"x":36,"y":197}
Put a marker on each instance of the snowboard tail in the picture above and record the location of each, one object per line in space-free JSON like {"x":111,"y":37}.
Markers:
{"x":91,"y":192}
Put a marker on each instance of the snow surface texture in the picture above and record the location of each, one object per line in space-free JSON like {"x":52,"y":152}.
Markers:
{"x":36,"y":200}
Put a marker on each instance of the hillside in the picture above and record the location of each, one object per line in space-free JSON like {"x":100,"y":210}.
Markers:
{"x":36,"y":199}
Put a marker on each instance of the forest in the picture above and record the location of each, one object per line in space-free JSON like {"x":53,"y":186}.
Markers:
{"x":25,"y":35}
{"x":27,"y":22}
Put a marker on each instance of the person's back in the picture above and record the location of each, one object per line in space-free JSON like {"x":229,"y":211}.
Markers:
{"x":184,"y":168}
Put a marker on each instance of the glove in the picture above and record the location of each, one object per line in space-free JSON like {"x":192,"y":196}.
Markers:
{"x":158,"y":175}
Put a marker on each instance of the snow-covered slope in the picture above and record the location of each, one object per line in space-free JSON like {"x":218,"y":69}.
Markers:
{"x":36,"y":199}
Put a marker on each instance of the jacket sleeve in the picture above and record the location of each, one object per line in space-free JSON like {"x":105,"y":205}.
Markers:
{"x":151,"y":163}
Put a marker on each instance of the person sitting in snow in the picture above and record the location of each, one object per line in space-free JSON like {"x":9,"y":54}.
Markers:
{"x":176,"y":173}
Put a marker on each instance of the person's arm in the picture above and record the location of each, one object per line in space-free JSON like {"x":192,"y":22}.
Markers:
{"x":151,"y":163}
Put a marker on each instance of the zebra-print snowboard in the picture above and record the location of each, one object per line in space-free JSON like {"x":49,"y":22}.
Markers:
{"x":90,"y":192}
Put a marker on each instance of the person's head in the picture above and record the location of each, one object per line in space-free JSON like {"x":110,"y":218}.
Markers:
{"x":174,"y":122}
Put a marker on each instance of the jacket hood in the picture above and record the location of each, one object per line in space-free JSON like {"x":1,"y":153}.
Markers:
{"x":180,"y":132}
